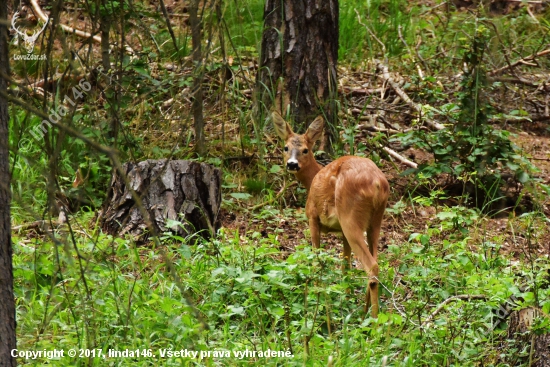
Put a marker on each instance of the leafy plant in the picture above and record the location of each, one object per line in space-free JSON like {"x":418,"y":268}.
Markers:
{"x":470,"y":149}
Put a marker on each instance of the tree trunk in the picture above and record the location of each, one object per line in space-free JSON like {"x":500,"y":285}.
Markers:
{"x":105,"y":20}
{"x":7,"y":304}
{"x":299,"y":47}
{"x":184,"y":191}
{"x":196,"y":36}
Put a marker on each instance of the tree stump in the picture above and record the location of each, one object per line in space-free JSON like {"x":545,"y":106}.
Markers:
{"x":519,"y":329}
{"x":184,"y":191}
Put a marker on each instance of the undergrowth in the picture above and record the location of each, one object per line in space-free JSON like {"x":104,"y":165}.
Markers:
{"x":248,"y":295}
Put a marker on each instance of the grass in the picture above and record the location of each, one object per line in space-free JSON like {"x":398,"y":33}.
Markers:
{"x":252,"y":296}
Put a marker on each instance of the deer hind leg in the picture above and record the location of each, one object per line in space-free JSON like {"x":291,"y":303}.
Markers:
{"x":346,"y":265}
{"x":353,"y":231}
{"x":373,"y":234}
{"x":371,"y":296}
{"x":315,"y":231}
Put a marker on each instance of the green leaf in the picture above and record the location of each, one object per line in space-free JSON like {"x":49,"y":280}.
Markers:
{"x":236,"y":310}
{"x":241,"y":195}
{"x":512,"y":166}
{"x":275,"y":169}
{"x":446,"y":215}
{"x":523,"y":176}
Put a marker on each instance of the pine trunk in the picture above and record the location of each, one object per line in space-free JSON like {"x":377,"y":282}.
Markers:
{"x":299,"y":47}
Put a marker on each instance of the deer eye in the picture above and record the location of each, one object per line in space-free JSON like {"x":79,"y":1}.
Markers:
{"x":286,"y":149}
{"x":305,"y":151}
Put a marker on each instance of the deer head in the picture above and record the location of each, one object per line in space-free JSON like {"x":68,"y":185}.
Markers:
{"x":298,"y":148}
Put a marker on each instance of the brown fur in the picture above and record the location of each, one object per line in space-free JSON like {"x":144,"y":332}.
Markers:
{"x":347,"y":196}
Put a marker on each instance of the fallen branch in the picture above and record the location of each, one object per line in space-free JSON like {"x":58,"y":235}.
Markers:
{"x":68,"y":29}
{"x":399,"y":157}
{"x":61,"y":78}
{"x":516,"y":80}
{"x":401,"y":93}
{"x":520,"y":61}
{"x":449,"y":300}
{"x":39,"y":225}
{"x":358,"y":91}
{"x":390,"y":130}
{"x":379,"y":129}
{"x":45,"y":18}
{"x":370,"y":32}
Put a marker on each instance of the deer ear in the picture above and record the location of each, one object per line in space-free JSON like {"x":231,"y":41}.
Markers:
{"x":282,"y":128}
{"x":315,"y":130}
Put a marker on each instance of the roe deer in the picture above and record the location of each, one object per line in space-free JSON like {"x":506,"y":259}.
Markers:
{"x":347,"y":196}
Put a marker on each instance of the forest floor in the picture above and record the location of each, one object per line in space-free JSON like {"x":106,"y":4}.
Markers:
{"x":291,"y":228}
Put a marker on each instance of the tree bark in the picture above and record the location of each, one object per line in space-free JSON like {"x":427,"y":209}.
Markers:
{"x":519,"y":330}
{"x":196,"y":37}
{"x":7,"y":304}
{"x":298,"y":60}
{"x":105,"y":19}
{"x":185,"y":191}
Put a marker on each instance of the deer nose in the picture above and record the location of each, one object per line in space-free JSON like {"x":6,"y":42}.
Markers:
{"x":292,"y":166}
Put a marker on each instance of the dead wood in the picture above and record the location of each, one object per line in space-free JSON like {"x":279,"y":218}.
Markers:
{"x":399,"y":157}
{"x":66,"y":28}
{"x":185,"y":191}
{"x":401,"y":93}
{"x":520,"y":61}
{"x":96,"y":38}
{"x":519,"y":330}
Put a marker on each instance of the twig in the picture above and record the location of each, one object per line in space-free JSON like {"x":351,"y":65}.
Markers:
{"x":532,"y":349}
{"x":420,"y":72}
{"x":520,"y":61}
{"x":170,"y":30}
{"x":370,"y":32}
{"x":386,"y":76}
{"x":449,"y":300}
{"x":530,"y":12}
